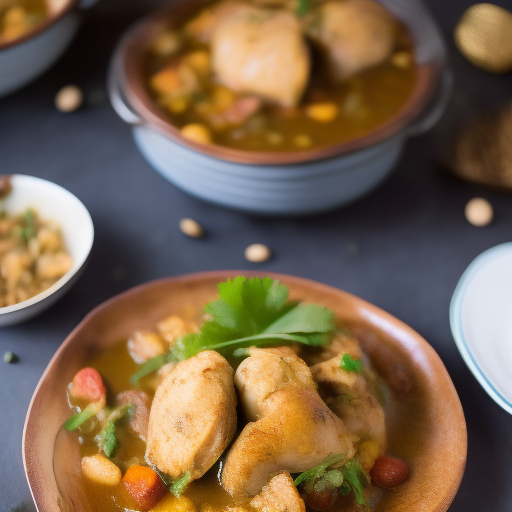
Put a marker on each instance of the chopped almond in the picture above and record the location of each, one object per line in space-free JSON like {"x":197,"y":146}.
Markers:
{"x":144,"y":486}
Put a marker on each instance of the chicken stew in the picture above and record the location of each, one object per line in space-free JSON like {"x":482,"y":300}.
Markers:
{"x":309,"y":431}
{"x":261,"y":75}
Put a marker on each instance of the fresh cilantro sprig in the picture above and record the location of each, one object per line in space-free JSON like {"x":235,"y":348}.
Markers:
{"x":79,"y":418}
{"x":348,"y":476}
{"x":107,"y":439}
{"x":177,"y":486}
{"x":349,"y":364}
{"x":251,"y":312}
{"x":152,"y":365}
{"x":303,"y":7}
{"x":30,"y":221}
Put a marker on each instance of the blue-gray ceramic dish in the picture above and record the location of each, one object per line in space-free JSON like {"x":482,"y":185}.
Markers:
{"x":279,"y":183}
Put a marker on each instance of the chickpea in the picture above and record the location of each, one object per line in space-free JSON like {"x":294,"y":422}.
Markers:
{"x":100,"y":470}
{"x":197,"y":132}
{"x":323,"y":112}
{"x":199,"y":61}
{"x":368,"y":453}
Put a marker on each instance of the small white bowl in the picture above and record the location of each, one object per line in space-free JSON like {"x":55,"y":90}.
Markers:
{"x":55,"y":203}
{"x":481,"y":321}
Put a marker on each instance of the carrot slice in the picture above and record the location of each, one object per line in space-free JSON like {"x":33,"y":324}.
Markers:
{"x":145,"y":486}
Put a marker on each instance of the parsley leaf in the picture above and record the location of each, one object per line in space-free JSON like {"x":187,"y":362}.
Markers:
{"x":30,"y":229}
{"x":357,"y":479}
{"x":256,"y":311}
{"x":319,"y":470}
{"x":77,"y":419}
{"x":351,"y":365}
{"x":303,"y":7}
{"x":178,"y":486}
{"x":250,"y":312}
{"x":349,"y":477}
{"x":152,"y":365}
{"x":106,"y":439}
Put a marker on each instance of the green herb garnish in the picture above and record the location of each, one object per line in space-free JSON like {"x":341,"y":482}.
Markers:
{"x":351,"y":365}
{"x":77,"y":419}
{"x":30,"y":229}
{"x":250,"y":312}
{"x":357,"y":479}
{"x":152,"y":365}
{"x":348,"y":477}
{"x":320,"y":470}
{"x":107,"y":439}
{"x":179,"y":485}
{"x":303,"y":7}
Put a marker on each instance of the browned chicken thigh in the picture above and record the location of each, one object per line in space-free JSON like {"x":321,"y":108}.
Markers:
{"x":262,"y":52}
{"x":353,"y":34}
{"x":279,"y":495}
{"x":193,"y":416}
{"x":295,"y":430}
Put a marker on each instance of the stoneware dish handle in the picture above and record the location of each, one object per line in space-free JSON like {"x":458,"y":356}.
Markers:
{"x":119,"y":103}
{"x":435,"y":108}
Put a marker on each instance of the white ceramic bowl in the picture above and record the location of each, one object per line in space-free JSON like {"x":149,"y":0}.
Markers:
{"x":51,"y":202}
{"x":481,"y":321}
{"x":26,"y":58}
{"x":296,"y":183}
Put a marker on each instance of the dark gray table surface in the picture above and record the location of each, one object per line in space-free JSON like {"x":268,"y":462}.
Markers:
{"x":413,"y":240}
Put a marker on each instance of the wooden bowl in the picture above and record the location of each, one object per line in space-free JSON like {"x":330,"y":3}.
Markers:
{"x":428,"y":419}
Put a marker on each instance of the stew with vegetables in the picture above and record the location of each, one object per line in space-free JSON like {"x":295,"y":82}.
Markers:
{"x":265,"y":406}
{"x":17,"y":17}
{"x":32,"y":256}
{"x":281,"y":75}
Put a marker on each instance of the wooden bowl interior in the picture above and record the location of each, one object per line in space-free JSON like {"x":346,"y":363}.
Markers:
{"x":131,"y":71}
{"x":428,"y":421}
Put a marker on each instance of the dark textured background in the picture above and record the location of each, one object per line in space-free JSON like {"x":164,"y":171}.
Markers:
{"x":412,"y":238}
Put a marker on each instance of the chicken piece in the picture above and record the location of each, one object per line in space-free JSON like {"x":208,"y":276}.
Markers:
{"x":204,"y":24}
{"x":340,"y":343}
{"x":140,"y":420}
{"x":265,"y":372}
{"x":353,"y":34}
{"x":193,"y":416}
{"x":261,"y":51}
{"x":173,"y":327}
{"x":13,"y":265}
{"x":279,"y":495}
{"x":144,"y":345}
{"x":53,"y":266}
{"x":349,"y":398}
{"x":296,"y":432}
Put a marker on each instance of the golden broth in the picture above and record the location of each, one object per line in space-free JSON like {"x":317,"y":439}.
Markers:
{"x":363,"y":102}
{"x":405,"y":418}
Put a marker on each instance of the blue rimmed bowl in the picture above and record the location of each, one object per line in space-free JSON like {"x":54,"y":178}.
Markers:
{"x":481,"y":321}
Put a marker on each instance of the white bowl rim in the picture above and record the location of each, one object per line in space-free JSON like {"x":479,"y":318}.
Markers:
{"x":76,"y":267}
{"x":456,"y":321}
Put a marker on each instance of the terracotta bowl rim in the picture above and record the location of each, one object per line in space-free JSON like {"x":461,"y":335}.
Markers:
{"x":126,"y":65}
{"x":41,"y":27}
{"x":30,"y":461}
